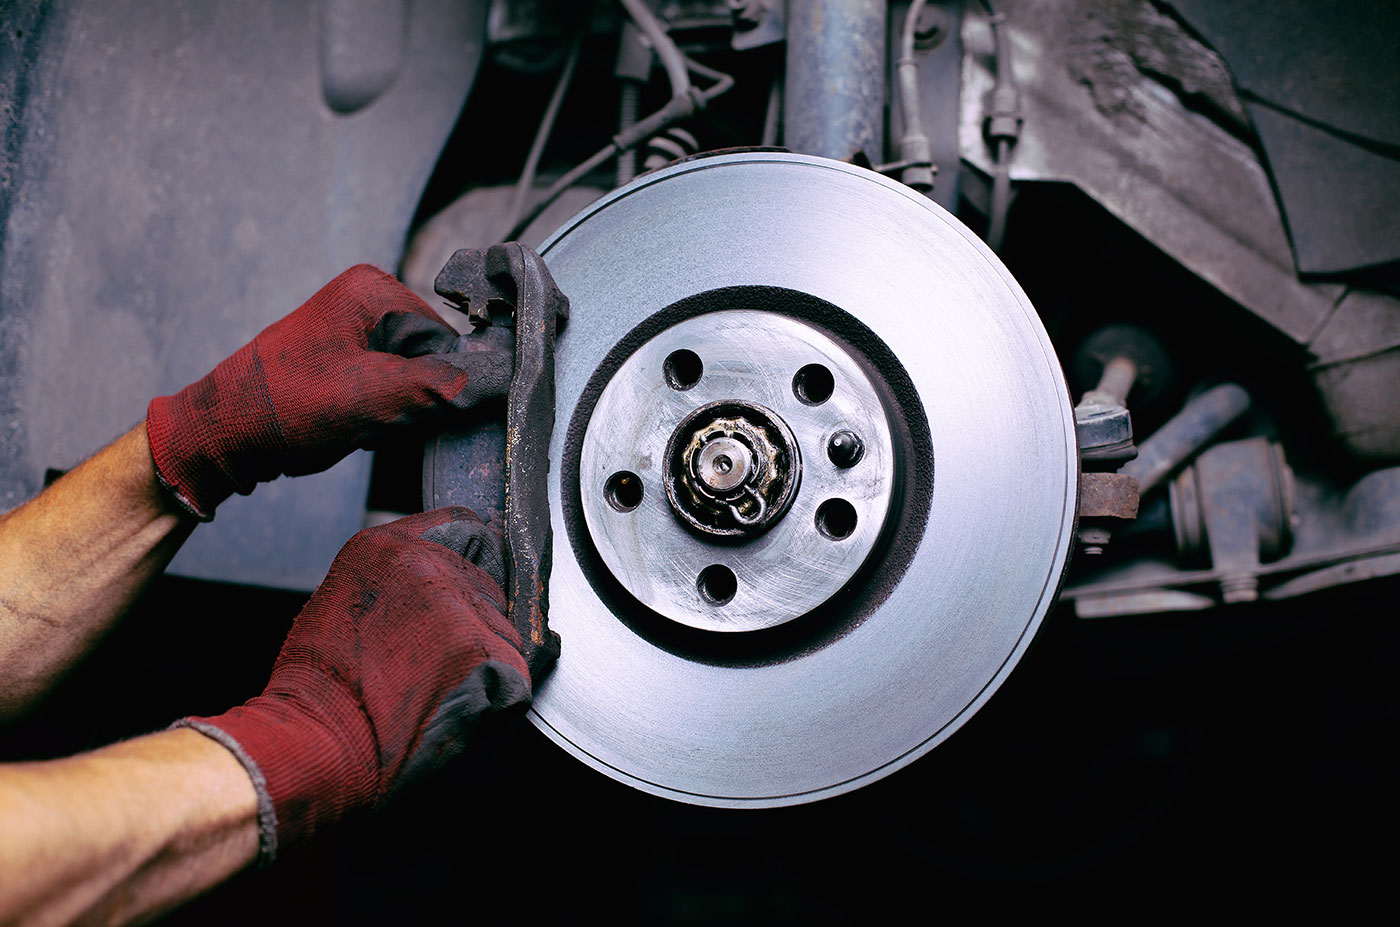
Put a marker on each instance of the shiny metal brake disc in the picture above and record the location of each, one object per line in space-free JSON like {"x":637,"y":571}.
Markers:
{"x":813,"y":480}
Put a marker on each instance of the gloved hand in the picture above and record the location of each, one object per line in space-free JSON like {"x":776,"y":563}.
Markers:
{"x":360,"y":360}
{"x":383,"y":675}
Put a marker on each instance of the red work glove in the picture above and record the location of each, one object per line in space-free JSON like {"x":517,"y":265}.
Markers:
{"x":382,"y":677}
{"x":360,"y":360}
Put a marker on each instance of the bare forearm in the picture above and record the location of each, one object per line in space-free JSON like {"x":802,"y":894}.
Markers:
{"x":123,"y":833}
{"x":74,"y":558}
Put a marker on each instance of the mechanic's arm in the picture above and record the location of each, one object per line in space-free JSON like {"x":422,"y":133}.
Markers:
{"x":384,"y":676}
{"x":74,"y":557}
{"x":361,"y":361}
{"x":122,"y":833}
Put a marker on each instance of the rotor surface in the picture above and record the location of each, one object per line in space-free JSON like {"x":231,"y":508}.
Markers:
{"x":977,"y":535}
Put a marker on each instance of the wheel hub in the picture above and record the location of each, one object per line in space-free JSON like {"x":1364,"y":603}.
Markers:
{"x":732,"y":469}
{"x":729,"y":531}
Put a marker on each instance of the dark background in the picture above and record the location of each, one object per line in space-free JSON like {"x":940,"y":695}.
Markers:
{"x":1127,"y":765}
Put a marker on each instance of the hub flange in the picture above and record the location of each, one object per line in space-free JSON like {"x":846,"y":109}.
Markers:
{"x":738,"y":520}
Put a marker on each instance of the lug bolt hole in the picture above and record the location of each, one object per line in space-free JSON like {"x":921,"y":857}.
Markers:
{"x":682,"y":369}
{"x":623,"y":490}
{"x":813,"y":384}
{"x":836,"y":519}
{"x":717,"y":584}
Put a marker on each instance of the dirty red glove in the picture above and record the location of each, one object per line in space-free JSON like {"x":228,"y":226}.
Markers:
{"x":361,"y":359}
{"x":382,"y":677}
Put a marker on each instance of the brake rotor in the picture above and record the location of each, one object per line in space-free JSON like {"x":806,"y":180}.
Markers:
{"x":813,"y":481}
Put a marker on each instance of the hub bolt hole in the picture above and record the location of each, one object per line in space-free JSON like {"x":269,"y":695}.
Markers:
{"x":813,"y":384}
{"x":682,"y":369}
{"x":717,"y":584}
{"x":836,"y":519}
{"x":623,"y":490}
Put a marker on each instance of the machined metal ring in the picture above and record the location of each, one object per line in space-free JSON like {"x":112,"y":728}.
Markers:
{"x":796,"y":530}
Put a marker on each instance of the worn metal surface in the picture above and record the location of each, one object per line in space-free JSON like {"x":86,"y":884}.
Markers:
{"x":1235,"y":504}
{"x":1323,"y":84}
{"x":1131,"y":108}
{"x":510,"y":277}
{"x":1185,"y":434}
{"x":731,"y":469}
{"x":1339,"y":535}
{"x":789,"y":569}
{"x":177,"y":176}
{"x":918,"y":654}
{"x":1357,"y":372}
{"x":1102,"y":420}
{"x":465,"y":465}
{"x":1120,"y":132}
{"x":1108,"y":495}
{"x":834,"y":86}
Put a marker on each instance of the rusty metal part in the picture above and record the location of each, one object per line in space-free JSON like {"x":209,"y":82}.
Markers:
{"x":1108,"y":495}
{"x":487,"y":282}
{"x":1105,"y":430}
{"x":1105,"y":501}
{"x":1339,"y":536}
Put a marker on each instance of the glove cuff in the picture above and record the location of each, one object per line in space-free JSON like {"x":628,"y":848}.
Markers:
{"x":205,"y":439}
{"x":304,"y":769}
{"x":175,"y":478}
{"x":267,"y":812}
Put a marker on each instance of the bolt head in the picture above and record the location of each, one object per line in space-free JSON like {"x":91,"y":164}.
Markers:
{"x":845,"y":449}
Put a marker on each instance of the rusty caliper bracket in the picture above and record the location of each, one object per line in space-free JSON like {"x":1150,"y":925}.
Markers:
{"x":492,"y":284}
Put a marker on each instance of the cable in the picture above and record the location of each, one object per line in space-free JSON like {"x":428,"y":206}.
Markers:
{"x":665,"y":47}
{"x":914,"y":148}
{"x":1001,"y":196}
{"x":1002,"y":127}
{"x":678,"y":108}
{"x":773,"y":114}
{"x":722,"y":81}
{"x":551,"y":114}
